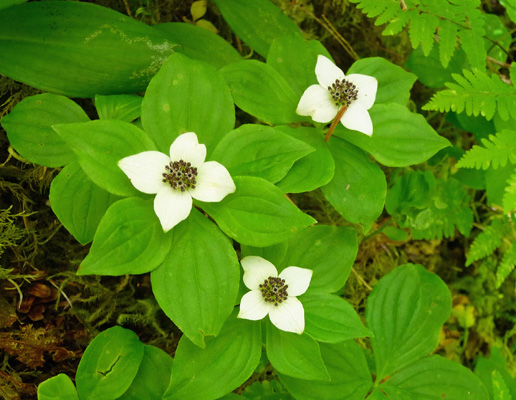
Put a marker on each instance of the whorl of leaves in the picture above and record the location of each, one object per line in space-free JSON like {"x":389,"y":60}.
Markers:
{"x":451,"y":19}
{"x":486,"y":242}
{"x":497,"y":150}
{"x":477,"y":93}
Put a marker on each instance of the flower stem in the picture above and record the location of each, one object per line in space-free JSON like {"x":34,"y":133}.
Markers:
{"x":335,"y":122}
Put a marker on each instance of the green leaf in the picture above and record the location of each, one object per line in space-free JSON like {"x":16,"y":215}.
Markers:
{"x":258,"y":89}
{"x":258,"y":150}
{"x":100,"y":145}
{"x":474,"y":47}
{"x":500,"y":389}
{"x":9,"y":3}
{"x":327,"y":250}
{"x":227,"y":361}
{"x":124,"y":107}
{"x":153,"y":376}
{"x":187,"y":96}
{"x":330,"y":318}
{"x":487,"y":241}
{"x":295,"y":355}
{"x":394,"y":233}
{"x":486,"y":367}
{"x":29,"y":128}
{"x":434,"y":378}
{"x":59,"y":387}
{"x":497,"y":32}
{"x":295,"y":58}
{"x":394,"y":83}
{"x":199,"y":44}
{"x":499,"y":149}
{"x":506,"y":265}
{"x":497,"y":182}
{"x":257,"y":214}
{"x":433,"y":71}
{"x":348,"y":370}
{"x":400,"y":137}
{"x":358,"y":188}
{"x":312,"y":171}
{"x":109,"y":364}
{"x":256,"y":22}
{"x":68,"y":47}
{"x":430,"y":208}
{"x":405,"y":312}
{"x":129,"y":240}
{"x":197,"y":283}
{"x":478,"y":94}
{"x":78,"y":202}
{"x":509,"y":197}
{"x":422,"y":31}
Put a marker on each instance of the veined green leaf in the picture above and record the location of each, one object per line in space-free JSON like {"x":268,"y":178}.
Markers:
{"x":197,"y":283}
{"x":29,"y":128}
{"x":256,"y":22}
{"x":69,"y":47}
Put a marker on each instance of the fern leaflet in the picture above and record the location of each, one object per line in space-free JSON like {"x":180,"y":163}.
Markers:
{"x":509,"y":198}
{"x":486,"y":242}
{"x":476,"y":93}
{"x":453,"y":20}
{"x":499,"y":149}
{"x":507,"y":265}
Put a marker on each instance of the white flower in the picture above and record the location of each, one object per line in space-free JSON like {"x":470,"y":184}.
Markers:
{"x":274,"y":295}
{"x":175,"y":179}
{"x":335,"y":91}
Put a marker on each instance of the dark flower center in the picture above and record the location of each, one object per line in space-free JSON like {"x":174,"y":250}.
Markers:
{"x":343,"y":93}
{"x":274,"y":290}
{"x":180,"y":175}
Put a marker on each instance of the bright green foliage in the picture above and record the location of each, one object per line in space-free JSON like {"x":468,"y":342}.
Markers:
{"x":109,"y":364}
{"x":129,"y":240}
{"x":452,"y":19}
{"x":495,"y":376}
{"x":60,"y":387}
{"x":509,"y":198}
{"x":153,"y":376}
{"x":78,"y":202}
{"x":500,"y":389}
{"x":79,"y":49}
{"x":476,"y":93}
{"x":405,"y":312}
{"x":486,"y":242}
{"x":298,"y":356}
{"x":257,"y":22}
{"x":430,"y":208}
{"x":497,"y":150}
{"x":495,"y":236}
{"x":507,"y":265}
{"x":29,"y":128}
{"x":226,"y":362}
{"x":200,"y":44}
{"x":197,"y":283}
{"x":358,"y":188}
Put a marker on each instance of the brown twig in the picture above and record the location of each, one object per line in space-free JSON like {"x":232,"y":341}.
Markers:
{"x":335,"y":122}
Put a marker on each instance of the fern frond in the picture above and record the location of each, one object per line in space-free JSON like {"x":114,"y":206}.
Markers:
{"x":497,"y":150}
{"x":476,"y":93}
{"x":507,"y":265}
{"x":452,"y":20}
{"x":509,"y":198}
{"x":486,"y":242}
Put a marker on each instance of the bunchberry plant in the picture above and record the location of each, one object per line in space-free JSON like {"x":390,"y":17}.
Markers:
{"x":296,"y":164}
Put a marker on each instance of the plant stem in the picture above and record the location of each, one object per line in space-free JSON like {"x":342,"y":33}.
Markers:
{"x":335,"y":122}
